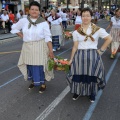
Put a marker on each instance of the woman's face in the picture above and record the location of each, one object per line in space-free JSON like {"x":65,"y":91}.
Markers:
{"x":78,"y":12}
{"x":118,"y":13}
{"x":34,"y":11}
{"x":52,"y":12}
{"x":86,"y":18}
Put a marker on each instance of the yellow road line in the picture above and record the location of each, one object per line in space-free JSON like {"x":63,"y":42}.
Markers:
{"x":1,"y":53}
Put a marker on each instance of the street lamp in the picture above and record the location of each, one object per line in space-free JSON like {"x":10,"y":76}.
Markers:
{"x":68,"y":2}
{"x":82,"y":4}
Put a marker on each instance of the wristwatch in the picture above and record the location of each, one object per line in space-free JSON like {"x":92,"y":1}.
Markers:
{"x":102,"y":50}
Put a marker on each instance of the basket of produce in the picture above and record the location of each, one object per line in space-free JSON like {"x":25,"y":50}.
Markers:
{"x":59,"y":64}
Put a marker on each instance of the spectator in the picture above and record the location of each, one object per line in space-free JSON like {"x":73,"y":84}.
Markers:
{"x":5,"y":21}
{"x":11,"y":17}
{"x":19,"y":15}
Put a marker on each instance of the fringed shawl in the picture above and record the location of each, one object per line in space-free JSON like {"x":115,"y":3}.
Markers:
{"x":94,"y":29}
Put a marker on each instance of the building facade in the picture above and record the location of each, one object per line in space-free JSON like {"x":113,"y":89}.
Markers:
{"x":13,"y":5}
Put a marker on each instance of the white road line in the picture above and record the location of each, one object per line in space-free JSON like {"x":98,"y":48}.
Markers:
{"x":51,"y":107}
{"x":7,"y":69}
{"x":93,"y":105}
{"x":10,"y":81}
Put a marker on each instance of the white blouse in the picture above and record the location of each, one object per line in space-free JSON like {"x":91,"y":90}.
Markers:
{"x":54,"y":22}
{"x":34,"y":33}
{"x":116,"y":24}
{"x":78,"y":20}
{"x":89,"y":44}
{"x":64,"y":17}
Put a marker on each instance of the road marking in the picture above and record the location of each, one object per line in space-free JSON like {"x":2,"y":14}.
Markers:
{"x":10,"y":81}
{"x":93,"y":105}
{"x":16,"y":65}
{"x":7,"y":69}
{"x":51,"y":107}
{"x":21,"y":74}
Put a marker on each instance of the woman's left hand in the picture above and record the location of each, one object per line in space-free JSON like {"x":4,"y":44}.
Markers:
{"x":51,"y":55}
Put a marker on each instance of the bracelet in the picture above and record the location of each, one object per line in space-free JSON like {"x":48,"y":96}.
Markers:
{"x":102,"y":50}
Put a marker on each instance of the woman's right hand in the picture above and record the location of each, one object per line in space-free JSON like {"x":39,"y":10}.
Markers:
{"x":70,"y":62}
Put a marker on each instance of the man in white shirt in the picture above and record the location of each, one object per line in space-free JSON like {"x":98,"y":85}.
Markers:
{"x":64,"y":19}
{"x":5,"y":21}
{"x":19,"y":15}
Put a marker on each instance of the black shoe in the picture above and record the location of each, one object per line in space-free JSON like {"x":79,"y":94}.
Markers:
{"x":5,"y":32}
{"x":92,"y":98}
{"x":31,"y":86}
{"x":42,"y":88}
{"x":75,"y":96}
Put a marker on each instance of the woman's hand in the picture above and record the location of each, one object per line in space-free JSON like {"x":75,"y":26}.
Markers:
{"x":51,"y":55}
{"x":20,"y":35}
{"x":70,"y":62}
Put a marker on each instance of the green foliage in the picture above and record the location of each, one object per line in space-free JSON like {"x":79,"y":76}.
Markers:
{"x":52,"y":64}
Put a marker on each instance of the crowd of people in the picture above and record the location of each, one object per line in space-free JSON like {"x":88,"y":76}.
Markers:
{"x":7,"y":18}
{"x":42,"y":34}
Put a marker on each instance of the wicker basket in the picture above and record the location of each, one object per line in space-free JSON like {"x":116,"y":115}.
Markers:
{"x":62,"y":68}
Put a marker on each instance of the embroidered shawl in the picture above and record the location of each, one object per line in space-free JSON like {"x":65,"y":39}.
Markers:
{"x":94,"y":29}
{"x":39,"y":20}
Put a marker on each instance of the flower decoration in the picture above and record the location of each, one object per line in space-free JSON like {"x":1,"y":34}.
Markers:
{"x":68,"y":34}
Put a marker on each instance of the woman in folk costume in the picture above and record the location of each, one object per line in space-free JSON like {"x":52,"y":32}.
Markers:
{"x":56,"y":30}
{"x":115,"y":32}
{"x":36,"y":49}
{"x":87,"y":74}
{"x":78,"y":20}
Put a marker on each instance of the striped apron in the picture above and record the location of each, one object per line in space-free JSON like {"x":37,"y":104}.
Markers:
{"x":57,"y":32}
{"x":87,"y":73}
{"x":115,"y":34}
{"x":34,"y":53}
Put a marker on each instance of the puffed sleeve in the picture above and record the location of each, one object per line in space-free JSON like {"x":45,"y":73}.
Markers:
{"x":112,"y":19}
{"x":102,"y":33}
{"x":47,"y":33}
{"x":60,"y":19}
{"x":74,"y":34}
{"x":17,"y":26}
{"x":48,"y":19}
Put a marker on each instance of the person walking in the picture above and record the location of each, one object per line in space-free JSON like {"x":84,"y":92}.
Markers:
{"x":64,"y":19}
{"x":115,"y":32}
{"x":78,"y":20}
{"x":87,"y":74}
{"x":56,"y":30}
{"x":36,"y":49}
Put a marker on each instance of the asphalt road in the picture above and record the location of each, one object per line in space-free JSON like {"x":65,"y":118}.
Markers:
{"x":18,"y":103}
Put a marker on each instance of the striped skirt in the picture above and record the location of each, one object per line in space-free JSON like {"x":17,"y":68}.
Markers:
{"x":55,"y":42}
{"x":115,"y":34}
{"x":57,"y":35}
{"x":87,"y":73}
